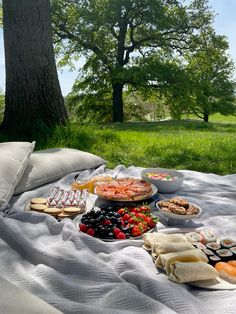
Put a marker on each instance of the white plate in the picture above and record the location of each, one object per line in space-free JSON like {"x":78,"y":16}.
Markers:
{"x":27,"y":209}
{"x":154,"y":191}
{"x":115,"y":240}
{"x":177,"y":216}
{"x":214,"y":284}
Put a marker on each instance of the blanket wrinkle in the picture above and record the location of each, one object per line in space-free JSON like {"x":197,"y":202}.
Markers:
{"x":77,"y":273}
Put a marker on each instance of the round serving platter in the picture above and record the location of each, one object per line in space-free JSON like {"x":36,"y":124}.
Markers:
{"x":140,"y":198}
{"x":77,"y":222}
{"x":216,"y":284}
{"x":27,"y":208}
{"x":178,"y":216}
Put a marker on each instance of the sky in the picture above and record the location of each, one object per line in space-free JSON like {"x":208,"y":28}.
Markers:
{"x":225,"y":24}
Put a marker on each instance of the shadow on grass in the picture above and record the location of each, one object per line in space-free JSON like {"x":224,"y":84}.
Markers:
{"x":171,"y":125}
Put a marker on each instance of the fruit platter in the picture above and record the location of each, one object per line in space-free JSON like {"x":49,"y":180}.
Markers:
{"x":117,"y":223}
{"x":197,"y":258}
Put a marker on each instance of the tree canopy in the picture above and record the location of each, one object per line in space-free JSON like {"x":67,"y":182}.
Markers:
{"x":211,"y":75}
{"x":121,"y":39}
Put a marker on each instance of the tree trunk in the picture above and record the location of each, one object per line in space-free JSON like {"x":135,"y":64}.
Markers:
{"x":117,"y":101}
{"x":206,"y":117}
{"x":33,"y":94}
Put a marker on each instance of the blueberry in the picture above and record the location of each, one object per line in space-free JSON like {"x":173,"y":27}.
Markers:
{"x":114,"y":220}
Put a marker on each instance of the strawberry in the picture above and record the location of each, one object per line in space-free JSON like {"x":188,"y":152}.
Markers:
{"x":106,"y":222}
{"x":152,"y":223}
{"x":140,"y":215}
{"x":144,"y":209}
{"x":121,"y":235}
{"x":116,"y":231}
{"x":133,"y":210}
{"x":90,"y":231}
{"x":122,"y":211}
{"x":83,"y":227}
{"x":131,"y":220}
{"x":142,"y":226}
{"x":126,"y":217}
{"x":135,"y":231}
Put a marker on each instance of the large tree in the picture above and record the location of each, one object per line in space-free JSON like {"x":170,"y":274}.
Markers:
{"x":211,"y":74}
{"x":33,"y":96}
{"x":115,"y":34}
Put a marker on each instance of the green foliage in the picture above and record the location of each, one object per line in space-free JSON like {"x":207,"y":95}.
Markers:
{"x":123,"y":39}
{"x":1,"y":16}
{"x":211,"y":75}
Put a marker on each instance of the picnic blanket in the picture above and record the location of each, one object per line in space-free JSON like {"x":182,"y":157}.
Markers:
{"x":77,"y":273}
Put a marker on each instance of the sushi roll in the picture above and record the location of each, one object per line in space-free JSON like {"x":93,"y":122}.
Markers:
{"x":193,"y":237}
{"x":208,"y":252}
{"x":213,"y":259}
{"x":226,"y":271}
{"x":224,"y":254}
{"x":208,"y":236}
{"x":233,"y":250}
{"x":214,"y":246}
{"x":199,"y":245}
{"x":227,"y":243}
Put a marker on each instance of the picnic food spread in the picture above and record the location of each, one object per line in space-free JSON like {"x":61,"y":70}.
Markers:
{"x":184,"y":258}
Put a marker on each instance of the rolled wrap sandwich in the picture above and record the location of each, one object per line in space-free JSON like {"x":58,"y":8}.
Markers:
{"x":170,"y":247}
{"x":164,"y":260}
{"x":191,"y":271}
{"x":155,"y":239}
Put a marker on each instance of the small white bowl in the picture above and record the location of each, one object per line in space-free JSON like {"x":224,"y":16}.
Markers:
{"x":178,"y":216}
{"x":164,"y":186}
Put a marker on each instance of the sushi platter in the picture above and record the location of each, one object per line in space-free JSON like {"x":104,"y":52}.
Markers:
{"x":199,"y":259}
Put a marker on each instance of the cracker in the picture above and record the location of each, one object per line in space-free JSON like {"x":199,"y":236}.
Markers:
{"x":72,"y":210}
{"x":65,"y":215}
{"x":39,"y":200}
{"x":54,"y":211}
{"x":38,"y":207}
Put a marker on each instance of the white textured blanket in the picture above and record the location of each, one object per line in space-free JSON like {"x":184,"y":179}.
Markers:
{"x":77,"y":273}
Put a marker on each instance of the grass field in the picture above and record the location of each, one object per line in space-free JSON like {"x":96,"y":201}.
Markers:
{"x":206,"y":147}
{"x":194,"y":145}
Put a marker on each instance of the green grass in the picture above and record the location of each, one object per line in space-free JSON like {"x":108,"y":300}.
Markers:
{"x":217,"y":117}
{"x":194,"y":145}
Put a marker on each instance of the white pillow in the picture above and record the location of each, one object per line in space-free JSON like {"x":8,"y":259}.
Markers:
{"x":14,"y":158}
{"x":49,"y":165}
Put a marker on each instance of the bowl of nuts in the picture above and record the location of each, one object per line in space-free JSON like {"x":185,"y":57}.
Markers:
{"x":178,"y":208}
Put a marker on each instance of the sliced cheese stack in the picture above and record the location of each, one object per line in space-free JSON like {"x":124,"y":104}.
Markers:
{"x":181,"y":261}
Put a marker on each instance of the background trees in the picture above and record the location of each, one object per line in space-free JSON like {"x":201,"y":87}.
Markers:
{"x":33,"y":97}
{"x":211,"y":72}
{"x":119,"y":38}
